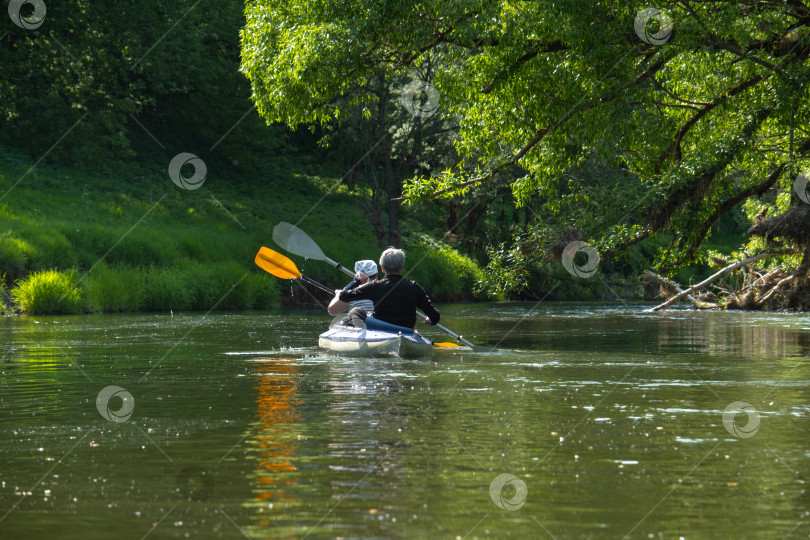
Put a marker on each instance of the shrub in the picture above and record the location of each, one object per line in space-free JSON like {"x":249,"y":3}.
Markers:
{"x":48,"y":291}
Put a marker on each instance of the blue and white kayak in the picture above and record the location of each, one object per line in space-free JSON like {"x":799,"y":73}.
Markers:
{"x":376,"y":338}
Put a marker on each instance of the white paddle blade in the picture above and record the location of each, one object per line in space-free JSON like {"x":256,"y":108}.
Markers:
{"x":296,"y":241}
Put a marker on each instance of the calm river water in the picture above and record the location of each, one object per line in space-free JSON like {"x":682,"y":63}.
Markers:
{"x":589,"y":422}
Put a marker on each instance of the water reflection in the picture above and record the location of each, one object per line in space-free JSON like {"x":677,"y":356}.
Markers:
{"x":732,"y":334}
{"x":275,"y":440}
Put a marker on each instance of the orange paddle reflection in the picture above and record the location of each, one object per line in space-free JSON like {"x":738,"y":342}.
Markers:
{"x":277,"y":396}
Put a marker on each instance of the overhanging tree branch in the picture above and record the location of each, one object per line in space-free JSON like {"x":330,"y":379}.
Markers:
{"x":659,"y":216}
{"x":753,"y":191}
{"x":540,"y":134}
{"x":552,"y":46}
{"x":684,"y":129}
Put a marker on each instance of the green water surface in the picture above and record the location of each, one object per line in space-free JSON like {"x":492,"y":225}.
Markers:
{"x":589,"y":422}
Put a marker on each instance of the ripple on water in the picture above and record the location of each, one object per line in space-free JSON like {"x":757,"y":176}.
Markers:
{"x":288,"y":431}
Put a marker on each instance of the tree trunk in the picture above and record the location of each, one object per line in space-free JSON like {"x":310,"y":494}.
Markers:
{"x":451,"y":216}
{"x":474,"y":216}
{"x":394,"y":191}
{"x":373,"y":211}
{"x":394,"y":186}
{"x":669,"y":284}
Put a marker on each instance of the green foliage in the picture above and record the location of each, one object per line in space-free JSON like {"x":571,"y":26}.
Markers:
{"x":48,"y":291}
{"x":91,"y":68}
{"x":189,"y":285}
{"x":223,"y":285}
{"x":46,"y":247}
{"x":595,"y":127}
{"x":442,"y":271}
{"x":505,"y":274}
{"x":263,"y":291}
{"x":167,"y":289}
{"x":175,"y":260}
{"x":4,"y":297}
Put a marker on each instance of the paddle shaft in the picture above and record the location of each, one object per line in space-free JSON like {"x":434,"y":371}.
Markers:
{"x":319,"y":285}
{"x":418,"y":312}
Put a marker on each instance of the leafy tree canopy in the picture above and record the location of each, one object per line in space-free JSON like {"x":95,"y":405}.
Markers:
{"x":690,"y":109}
{"x":94,"y":75}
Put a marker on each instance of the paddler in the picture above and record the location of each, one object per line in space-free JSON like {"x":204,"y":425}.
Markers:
{"x":395,"y":298}
{"x":364,"y":271}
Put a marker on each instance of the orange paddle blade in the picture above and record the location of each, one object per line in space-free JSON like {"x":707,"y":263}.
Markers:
{"x":277,"y":264}
{"x":445,"y":344}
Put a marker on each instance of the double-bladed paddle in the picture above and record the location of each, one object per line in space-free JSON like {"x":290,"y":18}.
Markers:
{"x":282,"y":267}
{"x":296,"y":241}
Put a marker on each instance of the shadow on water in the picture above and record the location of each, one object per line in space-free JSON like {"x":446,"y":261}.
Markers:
{"x":589,"y":422}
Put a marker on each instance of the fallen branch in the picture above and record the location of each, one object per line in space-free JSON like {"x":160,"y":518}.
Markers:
{"x":713,"y":277}
{"x":672,"y":285}
{"x":764,"y":278}
{"x":776,"y":287}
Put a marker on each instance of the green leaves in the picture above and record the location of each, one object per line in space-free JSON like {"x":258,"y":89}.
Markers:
{"x":692,"y":123}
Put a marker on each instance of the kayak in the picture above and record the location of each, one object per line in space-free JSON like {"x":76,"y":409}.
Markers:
{"x":376,"y":338}
{"x":363,"y":342}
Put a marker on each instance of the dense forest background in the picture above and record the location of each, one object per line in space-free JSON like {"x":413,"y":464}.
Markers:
{"x":98,"y":100}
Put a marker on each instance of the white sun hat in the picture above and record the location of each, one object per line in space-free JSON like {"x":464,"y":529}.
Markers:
{"x":368,"y":267}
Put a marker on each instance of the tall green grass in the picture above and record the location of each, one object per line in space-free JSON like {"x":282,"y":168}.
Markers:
{"x":154,"y":247}
{"x":14,"y":255}
{"x":4,"y":297}
{"x":48,"y":291}
{"x":113,"y":289}
{"x":189,"y":285}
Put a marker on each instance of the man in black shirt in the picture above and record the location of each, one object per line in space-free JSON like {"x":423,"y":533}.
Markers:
{"x":395,"y":298}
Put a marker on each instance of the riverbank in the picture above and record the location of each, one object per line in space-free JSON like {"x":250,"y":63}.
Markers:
{"x":73,"y":241}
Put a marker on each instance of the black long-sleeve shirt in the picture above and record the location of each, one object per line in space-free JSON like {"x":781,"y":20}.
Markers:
{"x":395,"y":300}
{"x":367,"y":305}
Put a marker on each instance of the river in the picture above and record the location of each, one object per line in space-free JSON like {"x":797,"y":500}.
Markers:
{"x":590,"y":421}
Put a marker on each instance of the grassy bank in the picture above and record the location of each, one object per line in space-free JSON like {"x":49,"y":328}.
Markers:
{"x":131,"y":240}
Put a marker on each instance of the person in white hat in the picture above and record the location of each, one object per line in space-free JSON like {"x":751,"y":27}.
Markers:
{"x":364,"y":271}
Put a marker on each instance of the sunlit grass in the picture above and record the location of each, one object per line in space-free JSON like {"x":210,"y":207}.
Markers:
{"x":48,"y":291}
{"x":148,"y":245}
